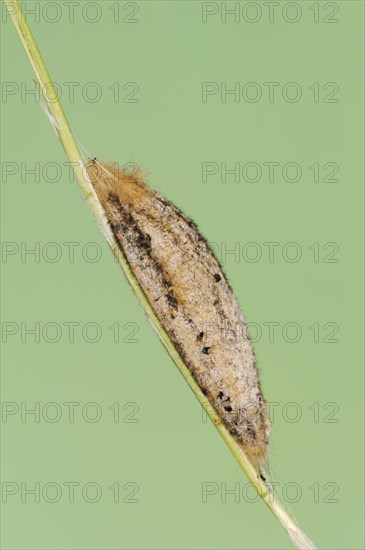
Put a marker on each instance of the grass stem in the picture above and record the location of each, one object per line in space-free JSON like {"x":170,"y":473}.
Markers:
{"x":67,"y":139}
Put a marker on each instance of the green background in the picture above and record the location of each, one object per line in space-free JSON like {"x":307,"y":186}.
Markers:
{"x":171,"y":451}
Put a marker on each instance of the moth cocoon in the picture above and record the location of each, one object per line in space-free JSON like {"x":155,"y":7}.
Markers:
{"x":191,"y":297}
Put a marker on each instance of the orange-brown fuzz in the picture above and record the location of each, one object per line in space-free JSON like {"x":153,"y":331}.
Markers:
{"x":191,"y":297}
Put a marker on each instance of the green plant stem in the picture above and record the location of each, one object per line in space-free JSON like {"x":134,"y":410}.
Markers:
{"x":54,"y":107}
